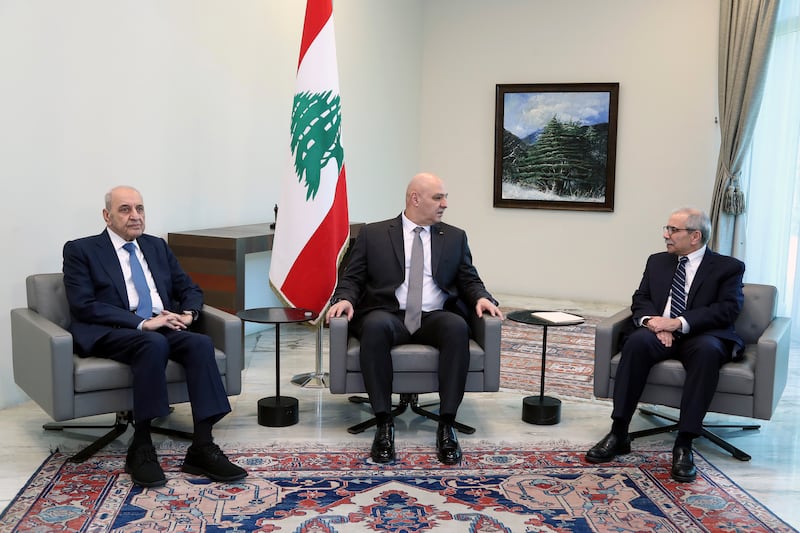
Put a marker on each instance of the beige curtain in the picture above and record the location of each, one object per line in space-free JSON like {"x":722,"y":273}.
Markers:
{"x":746,"y":29}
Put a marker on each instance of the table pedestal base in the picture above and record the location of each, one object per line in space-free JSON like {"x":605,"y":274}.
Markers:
{"x":277,"y":411}
{"x":541,"y":410}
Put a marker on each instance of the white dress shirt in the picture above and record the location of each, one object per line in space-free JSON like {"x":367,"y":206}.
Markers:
{"x":695,"y":258}
{"x":433,"y":297}
{"x":125,"y":262}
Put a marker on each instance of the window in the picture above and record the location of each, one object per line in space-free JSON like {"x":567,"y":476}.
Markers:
{"x":772,"y":229}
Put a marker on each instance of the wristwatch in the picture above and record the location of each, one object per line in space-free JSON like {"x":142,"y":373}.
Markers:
{"x":645,"y":321}
{"x":192,"y":312}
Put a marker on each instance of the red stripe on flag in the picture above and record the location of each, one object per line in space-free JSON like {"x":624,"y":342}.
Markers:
{"x":317,"y":14}
{"x":312,"y":278}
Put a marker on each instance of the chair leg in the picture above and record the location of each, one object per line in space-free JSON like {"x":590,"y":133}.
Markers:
{"x":406,"y":400}
{"x":122,"y":420}
{"x":120,"y":425}
{"x":187,"y":435}
{"x":713,"y":437}
{"x":417,"y":408}
{"x":359,"y":428}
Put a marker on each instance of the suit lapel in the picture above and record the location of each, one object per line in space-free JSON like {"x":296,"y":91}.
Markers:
{"x":437,"y":243}
{"x":396,"y":238}
{"x":705,"y":268}
{"x":109,"y":260}
{"x":669,"y":266}
{"x":151,"y":256}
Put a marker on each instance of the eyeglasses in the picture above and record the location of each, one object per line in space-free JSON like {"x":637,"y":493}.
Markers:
{"x":672,"y":229}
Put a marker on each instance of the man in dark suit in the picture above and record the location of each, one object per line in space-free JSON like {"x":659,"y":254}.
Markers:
{"x":684,"y":309}
{"x":374,"y":295}
{"x":130,"y":301}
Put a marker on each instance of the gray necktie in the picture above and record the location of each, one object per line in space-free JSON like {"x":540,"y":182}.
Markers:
{"x":678,"y":292}
{"x":414,"y":298}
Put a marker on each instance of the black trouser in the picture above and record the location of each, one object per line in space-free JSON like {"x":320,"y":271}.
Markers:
{"x":379,"y":331}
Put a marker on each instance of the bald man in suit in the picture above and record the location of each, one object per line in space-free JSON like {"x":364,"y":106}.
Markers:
{"x":108,"y":320}
{"x":701,"y":335}
{"x":373,"y":293}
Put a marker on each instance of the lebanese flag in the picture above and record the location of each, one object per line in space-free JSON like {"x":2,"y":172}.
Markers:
{"x":312,"y":229}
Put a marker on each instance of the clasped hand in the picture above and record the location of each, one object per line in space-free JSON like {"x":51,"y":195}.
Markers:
{"x":664,"y":328}
{"x":167,"y":319}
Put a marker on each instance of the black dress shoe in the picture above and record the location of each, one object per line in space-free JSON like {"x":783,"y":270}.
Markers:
{"x":608,"y":448}
{"x":447,"y":449}
{"x":382,"y":450}
{"x":683,"y":469}
{"x":142,"y":464}
{"x":208,"y":460}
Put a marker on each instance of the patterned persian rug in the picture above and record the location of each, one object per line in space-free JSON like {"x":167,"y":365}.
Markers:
{"x":570,"y":358}
{"x":335,"y":489}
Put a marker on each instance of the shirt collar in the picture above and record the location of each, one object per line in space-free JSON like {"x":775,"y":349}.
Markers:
{"x":409,"y":226}
{"x":697,"y":256}
{"x":118,"y":241}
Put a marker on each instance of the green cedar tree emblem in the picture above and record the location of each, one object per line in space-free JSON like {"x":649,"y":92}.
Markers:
{"x":316,"y":136}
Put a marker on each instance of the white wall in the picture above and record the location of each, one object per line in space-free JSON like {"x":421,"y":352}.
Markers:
{"x":189,"y":101}
{"x":663,"y":54}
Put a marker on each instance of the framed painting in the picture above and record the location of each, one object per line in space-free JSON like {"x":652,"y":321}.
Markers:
{"x":555,"y":146}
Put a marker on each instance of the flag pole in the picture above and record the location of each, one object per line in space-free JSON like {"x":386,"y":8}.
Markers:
{"x":318,"y":379}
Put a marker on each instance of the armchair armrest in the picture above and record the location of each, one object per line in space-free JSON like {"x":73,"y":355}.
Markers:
{"x":771,"y":367}
{"x":337,"y":363}
{"x":42,"y":355}
{"x":227,"y":333}
{"x":486,"y":332}
{"x":606,"y":345}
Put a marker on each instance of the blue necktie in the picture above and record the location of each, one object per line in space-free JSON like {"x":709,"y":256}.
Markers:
{"x":145,"y":308}
{"x":678,"y":291}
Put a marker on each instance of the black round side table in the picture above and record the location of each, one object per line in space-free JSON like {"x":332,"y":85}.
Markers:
{"x":541,"y":409}
{"x":277,"y":411}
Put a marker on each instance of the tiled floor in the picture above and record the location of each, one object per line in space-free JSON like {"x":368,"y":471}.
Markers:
{"x":772,"y":476}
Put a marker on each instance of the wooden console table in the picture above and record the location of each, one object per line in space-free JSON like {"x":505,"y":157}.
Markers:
{"x":215,"y":258}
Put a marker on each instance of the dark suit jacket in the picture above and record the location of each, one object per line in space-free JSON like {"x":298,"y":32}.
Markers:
{"x":714,"y":300}
{"x":98,"y":300}
{"x":376,"y":267}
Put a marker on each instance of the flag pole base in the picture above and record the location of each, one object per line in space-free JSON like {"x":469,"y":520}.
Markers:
{"x":311,"y":380}
{"x":318,"y":379}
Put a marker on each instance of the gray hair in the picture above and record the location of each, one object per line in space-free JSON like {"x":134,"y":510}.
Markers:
{"x":108,"y":194}
{"x":697,"y":220}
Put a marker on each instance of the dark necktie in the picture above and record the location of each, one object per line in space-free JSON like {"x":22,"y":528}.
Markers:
{"x":145,"y":308}
{"x":678,"y":291}
{"x":413,"y":317}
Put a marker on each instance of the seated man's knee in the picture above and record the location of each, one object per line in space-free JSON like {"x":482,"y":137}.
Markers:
{"x":154,"y":348}
{"x":155,"y":343}
{"x":641,"y":339}
{"x":707,"y":349}
{"x":377,"y":323}
{"x":202,"y":343}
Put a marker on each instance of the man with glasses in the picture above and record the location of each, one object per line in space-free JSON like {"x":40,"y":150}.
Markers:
{"x":684,"y":309}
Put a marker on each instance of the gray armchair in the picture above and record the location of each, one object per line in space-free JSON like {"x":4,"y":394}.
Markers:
{"x":750,"y":388}
{"x":69,"y":387}
{"x":415,"y":368}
